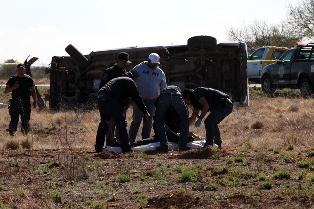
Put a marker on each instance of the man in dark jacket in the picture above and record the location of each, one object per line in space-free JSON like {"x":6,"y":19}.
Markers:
{"x":205,"y":100}
{"x":115,"y":71}
{"x":111,"y":98}
{"x":22,"y":87}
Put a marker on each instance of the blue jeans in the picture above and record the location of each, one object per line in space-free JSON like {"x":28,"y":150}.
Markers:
{"x":109,"y":107}
{"x":176,"y":102}
{"x":213,"y":119}
{"x":137,"y":119}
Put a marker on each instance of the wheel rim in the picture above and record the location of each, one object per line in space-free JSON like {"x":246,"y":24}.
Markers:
{"x":305,"y":88}
{"x":266,"y":84}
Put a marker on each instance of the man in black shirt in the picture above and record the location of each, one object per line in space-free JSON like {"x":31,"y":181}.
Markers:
{"x":22,"y":87}
{"x":111,"y":98}
{"x":205,"y":100}
{"x":117,"y":70}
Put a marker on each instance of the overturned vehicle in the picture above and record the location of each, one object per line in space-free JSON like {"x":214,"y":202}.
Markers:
{"x":74,"y":79}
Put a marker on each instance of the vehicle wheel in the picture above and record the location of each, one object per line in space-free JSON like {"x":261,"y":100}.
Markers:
{"x":267,"y":86}
{"x":77,"y":55}
{"x":306,"y":87}
{"x":201,"y":42}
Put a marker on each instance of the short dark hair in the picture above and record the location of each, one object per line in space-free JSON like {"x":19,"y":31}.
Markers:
{"x":187,"y":92}
{"x":20,"y":66}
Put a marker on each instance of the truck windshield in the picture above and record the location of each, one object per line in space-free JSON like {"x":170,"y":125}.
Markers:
{"x":258,"y":54}
{"x":286,"y":56}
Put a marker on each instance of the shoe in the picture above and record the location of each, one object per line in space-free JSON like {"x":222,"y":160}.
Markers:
{"x":183,"y":148}
{"x":162,"y":149}
{"x":211,"y":145}
{"x":10,"y":131}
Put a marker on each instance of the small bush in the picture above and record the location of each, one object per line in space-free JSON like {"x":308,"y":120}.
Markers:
{"x":187,"y":176}
{"x":220,"y":170}
{"x":13,"y":145}
{"x":282,"y":175}
{"x":257,"y":125}
{"x":265,"y":185}
{"x":304,"y":164}
{"x":57,"y":197}
{"x":26,"y":144}
{"x":122,"y":178}
{"x":238,"y":159}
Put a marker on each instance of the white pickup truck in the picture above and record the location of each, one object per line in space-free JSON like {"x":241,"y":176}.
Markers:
{"x":260,"y":58}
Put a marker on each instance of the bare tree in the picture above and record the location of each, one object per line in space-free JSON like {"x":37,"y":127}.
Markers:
{"x":262,"y":33}
{"x":301,"y":17}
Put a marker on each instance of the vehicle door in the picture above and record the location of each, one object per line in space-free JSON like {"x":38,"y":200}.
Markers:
{"x":301,"y":64}
{"x":281,"y":71}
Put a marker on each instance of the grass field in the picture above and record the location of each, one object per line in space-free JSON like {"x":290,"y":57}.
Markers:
{"x":266,"y":161}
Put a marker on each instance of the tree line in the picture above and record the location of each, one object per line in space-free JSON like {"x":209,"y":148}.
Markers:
{"x":299,"y":26}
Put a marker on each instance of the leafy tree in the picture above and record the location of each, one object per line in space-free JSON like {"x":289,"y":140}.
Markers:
{"x":301,"y":17}
{"x":262,"y":33}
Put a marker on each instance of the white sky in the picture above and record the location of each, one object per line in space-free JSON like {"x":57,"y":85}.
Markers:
{"x":43,"y":28}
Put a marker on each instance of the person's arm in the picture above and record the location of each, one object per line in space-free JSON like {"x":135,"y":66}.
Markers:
{"x":205,"y":108}
{"x":9,"y":89}
{"x":34,"y":95}
{"x":193,"y":117}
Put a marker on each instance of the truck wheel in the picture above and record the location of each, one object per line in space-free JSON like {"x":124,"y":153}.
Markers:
{"x":201,"y":42}
{"x":267,"y":86}
{"x":77,"y":55}
{"x":306,"y":87}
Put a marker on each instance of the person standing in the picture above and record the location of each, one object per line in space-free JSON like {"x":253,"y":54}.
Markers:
{"x":22,"y":87}
{"x":111,"y":98}
{"x":117,"y":70}
{"x":204,"y":100}
{"x":171,"y":98}
{"x":151,"y":82}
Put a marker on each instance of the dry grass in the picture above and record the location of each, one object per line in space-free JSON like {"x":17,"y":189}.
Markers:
{"x":266,"y":162}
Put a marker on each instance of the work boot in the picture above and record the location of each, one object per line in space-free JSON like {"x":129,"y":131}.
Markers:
{"x":10,"y":132}
{"x":162,"y":149}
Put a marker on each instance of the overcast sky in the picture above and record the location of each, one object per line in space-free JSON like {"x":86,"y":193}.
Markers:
{"x":43,"y":28}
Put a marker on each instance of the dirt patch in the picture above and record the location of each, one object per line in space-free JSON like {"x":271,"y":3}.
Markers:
{"x":108,"y":155}
{"x":174,"y":201}
{"x":205,"y":153}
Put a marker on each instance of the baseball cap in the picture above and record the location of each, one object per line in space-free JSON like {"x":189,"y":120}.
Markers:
{"x":124,"y":56}
{"x":154,"y":58}
{"x":20,"y":66}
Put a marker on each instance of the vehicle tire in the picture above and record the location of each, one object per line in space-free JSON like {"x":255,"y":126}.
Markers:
{"x":77,"y":55}
{"x":201,"y":42}
{"x":267,"y":86}
{"x":306,"y":87}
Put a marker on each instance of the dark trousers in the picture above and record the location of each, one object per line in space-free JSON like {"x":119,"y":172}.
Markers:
{"x":213,"y":119}
{"x":110,"y":108}
{"x":19,"y":108}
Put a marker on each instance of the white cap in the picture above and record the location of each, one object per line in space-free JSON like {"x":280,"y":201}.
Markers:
{"x":154,"y":58}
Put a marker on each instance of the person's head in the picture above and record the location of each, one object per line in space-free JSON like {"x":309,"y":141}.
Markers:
{"x":20,"y":70}
{"x":153,"y":60}
{"x":123,"y":60}
{"x":134,"y":75}
{"x":187,"y":95}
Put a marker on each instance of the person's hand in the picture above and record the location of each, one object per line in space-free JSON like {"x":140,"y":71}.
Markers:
{"x":34,"y":104}
{"x":147,"y":116}
{"x":198,"y":123}
{"x":16,"y":85}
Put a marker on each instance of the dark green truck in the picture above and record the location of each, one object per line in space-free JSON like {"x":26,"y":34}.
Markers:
{"x":294,"y":69}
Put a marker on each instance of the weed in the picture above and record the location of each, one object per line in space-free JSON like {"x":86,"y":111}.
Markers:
{"x":112,"y":198}
{"x":57,"y":197}
{"x":290,"y":147}
{"x":261,"y":177}
{"x":158,"y":175}
{"x":2,"y":188}
{"x":26,"y":144}
{"x":310,"y":153}
{"x":144,"y":178}
{"x":187,"y":176}
{"x":310,"y":178}
{"x":122,"y":178}
{"x":182,"y":191}
{"x":219,"y":170}
{"x":288,"y":157}
{"x":257,"y":125}
{"x":14,"y":164}
{"x":304,"y":164}
{"x":281,"y":175}
{"x":238,"y":159}
{"x":13,"y":145}
{"x":265,"y":185}
{"x":158,"y":163}
{"x":213,"y":187}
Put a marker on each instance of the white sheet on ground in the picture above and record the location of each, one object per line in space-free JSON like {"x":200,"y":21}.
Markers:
{"x":153,"y":146}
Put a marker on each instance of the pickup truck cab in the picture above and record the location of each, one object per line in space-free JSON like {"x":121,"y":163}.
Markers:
{"x":294,"y":69}
{"x":260,"y":58}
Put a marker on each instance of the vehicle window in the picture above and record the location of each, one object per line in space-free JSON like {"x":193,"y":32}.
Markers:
{"x":286,"y":56}
{"x":277,"y":54}
{"x":258,"y":54}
